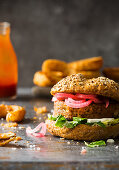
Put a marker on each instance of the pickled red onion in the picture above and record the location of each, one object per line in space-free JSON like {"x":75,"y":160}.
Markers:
{"x":37,"y":128}
{"x":107,"y":102}
{"x":75,"y":101}
{"x":63,"y":96}
{"x":92,"y":97}
{"x":79,"y":105}
{"x":96,"y":100}
{"x":86,"y":96}
{"x":80,"y":98}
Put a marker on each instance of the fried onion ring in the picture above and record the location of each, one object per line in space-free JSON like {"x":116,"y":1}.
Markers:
{"x":111,"y":72}
{"x":12,"y":113}
{"x":87,"y":74}
{"x":5,"y":138}
{"x":54,"y":70}
{"x":47,"y":79}
{"x":8,"y":135}
{"x":41,"y":79}
{"x":90,"y":64}
{"x":4,"y":142}
{"x":54,"y":65}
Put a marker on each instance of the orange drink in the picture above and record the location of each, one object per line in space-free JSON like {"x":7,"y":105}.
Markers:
{"x":8,"y":63}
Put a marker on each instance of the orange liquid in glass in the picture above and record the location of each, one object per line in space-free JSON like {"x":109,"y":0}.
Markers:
{"x":8,"y":66}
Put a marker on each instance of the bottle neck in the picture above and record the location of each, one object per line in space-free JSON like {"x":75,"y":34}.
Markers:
{"x":4,"y":29}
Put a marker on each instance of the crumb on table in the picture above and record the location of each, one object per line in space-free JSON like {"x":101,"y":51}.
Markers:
{"x":8,"y":125}
{"x":34,"y":118}
{"x":83,"y":151}
{"x":18,"y":138}
{"x":40,"y":110}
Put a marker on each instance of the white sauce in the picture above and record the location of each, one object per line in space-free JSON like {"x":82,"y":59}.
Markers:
{"x":101,"y":120}
{"x":110,"y":140}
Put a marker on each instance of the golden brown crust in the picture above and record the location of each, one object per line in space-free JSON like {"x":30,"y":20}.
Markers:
{"x":16,"y":114}
{"x":94,"y":63}
{"x":111,"y":72}
{"x":12,"y":113}
{"x":54,"y":65}
{"x":41,"y":79}
{"x":93,"y":111}
{"x":87,"y":74}
{"x":83,"y":132}
{"x":55,"y":76}
{"x":79,"y":84}
{"x":47,"y":79}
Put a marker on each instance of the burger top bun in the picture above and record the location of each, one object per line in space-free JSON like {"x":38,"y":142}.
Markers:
{"x":77,"y":83}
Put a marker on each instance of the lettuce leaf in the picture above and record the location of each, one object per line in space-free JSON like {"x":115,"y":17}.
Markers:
{"x":60,"y":121}
{"x":80,"y":120}
{"x":96,"y":123}
{"x":95,"y":144}
{"x":71,"y":124}
{"x":50,"y":117}
{"x":100,"y":124}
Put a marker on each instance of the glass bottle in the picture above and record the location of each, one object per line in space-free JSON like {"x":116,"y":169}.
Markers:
{"x":8,"y":63}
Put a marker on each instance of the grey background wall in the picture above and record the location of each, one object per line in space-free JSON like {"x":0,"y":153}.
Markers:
{"x":62,"y":29}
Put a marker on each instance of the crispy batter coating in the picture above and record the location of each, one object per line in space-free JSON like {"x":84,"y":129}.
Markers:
{"x":5,"y":138}
{"x":87,"y":74}
{"x":111,"y":72}
{"x":94,"y":63}
{"x":54,"y":65}
{"x":47,"y":79}
{"x":41,"y":79}
{"x":7,"y":135}
{"x":4,"y":142}
{"x":83,"y":132}
{"x":12,"y":113}
{"x":79,"y":84}
{"x":54,"y":70}
{"x":93,"y":111}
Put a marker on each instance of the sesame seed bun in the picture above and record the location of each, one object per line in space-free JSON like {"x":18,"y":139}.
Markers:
{"x":83,"y":132}
{"x":77,"y":83}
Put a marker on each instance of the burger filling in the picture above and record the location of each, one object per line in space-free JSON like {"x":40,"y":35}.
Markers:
{"x":80,"y":100}
{"x":61,"y":121}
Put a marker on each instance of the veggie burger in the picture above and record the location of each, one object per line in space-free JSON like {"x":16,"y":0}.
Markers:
{"x":85,"y":109}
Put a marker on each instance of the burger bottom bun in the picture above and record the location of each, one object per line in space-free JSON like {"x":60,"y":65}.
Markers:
{"x":83,"y":132}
